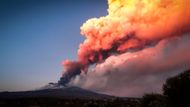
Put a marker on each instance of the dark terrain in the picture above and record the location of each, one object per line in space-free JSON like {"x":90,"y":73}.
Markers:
{"x":175,"y":94}
{"x":63,"y":97}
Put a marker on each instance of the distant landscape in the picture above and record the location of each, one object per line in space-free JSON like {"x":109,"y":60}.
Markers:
{"x":65,"y":97}
{"x":176,"y":94}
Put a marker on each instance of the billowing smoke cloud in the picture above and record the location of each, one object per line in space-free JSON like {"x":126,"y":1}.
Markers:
{"x":72,"y":68}
{"x":132,"y":24}
{"x":136,"y":73}
{"x":124,"y":34}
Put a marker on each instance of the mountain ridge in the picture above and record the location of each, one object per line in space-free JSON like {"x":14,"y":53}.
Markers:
{"x":64,"y":92}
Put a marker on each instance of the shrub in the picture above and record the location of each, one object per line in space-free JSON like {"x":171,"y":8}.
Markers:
{"x":177,"y":89}
{"x":153,"y":100}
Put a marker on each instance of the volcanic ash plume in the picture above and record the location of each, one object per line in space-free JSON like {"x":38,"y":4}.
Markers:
{"x":135,"y":73}
{"x":72,"y":69}
{"x":132,"y":24}
{"x":130,"y":27}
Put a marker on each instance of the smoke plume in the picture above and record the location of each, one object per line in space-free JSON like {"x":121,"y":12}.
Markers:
{"x":72,"y":68}
{"x":136,"y":73}
{"x":135,"y":40}
{"x":132,"y":24}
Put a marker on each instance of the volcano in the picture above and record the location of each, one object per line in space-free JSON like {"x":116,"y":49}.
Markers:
{"x":62,"y":97}
{"x":56,"y":92}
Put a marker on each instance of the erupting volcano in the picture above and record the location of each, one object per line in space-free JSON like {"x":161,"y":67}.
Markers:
{"x":134,"y":48}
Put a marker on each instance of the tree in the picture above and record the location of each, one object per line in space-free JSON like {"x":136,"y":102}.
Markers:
{"x":177,"y":89}
{"x":153,"y":100}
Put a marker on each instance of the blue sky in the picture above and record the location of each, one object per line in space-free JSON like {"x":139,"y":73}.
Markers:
{"x":37,"y":35}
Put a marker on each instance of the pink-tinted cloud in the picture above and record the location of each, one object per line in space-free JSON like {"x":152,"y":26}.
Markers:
{"x":134,"y":48}
{"x":136,"y":73}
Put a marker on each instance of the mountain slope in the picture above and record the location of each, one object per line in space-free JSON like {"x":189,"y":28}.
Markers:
{"x":66,"y":93}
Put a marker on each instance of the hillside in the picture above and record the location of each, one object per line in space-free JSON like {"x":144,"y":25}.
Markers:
{"x":63,"y":97}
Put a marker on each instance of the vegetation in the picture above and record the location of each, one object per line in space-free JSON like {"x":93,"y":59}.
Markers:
{"x":154,"y":100}
{"x":176,"y":92}
{"x":58,"y":102}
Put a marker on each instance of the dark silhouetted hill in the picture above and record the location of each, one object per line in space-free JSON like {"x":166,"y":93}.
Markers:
{"x":66,"y":92}
{"x":63,"y":97}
